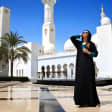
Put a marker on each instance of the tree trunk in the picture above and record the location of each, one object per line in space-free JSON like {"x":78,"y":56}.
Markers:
{"x":11,"y":69}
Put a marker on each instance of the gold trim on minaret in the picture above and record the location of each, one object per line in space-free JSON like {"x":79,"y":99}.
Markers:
{"x":102,"y":11}
{"x":102,"y":7}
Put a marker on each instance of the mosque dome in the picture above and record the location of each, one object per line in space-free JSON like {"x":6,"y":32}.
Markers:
{"x":68,"y":46}
{"x":50,"y":49}
{"x":105,"y":21}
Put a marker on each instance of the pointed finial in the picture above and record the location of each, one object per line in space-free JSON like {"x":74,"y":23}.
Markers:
{"x":102,"y":7}
{"x":102,"y":11}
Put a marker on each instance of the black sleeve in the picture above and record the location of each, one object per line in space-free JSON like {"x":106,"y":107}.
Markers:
{"x":75,"y":41}
{"x":94,"y":51}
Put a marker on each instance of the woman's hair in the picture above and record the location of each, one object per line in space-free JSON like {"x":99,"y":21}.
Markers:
{"x":89,"y":35}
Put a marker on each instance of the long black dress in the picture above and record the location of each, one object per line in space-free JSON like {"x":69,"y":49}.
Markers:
{"x":85,"y":87}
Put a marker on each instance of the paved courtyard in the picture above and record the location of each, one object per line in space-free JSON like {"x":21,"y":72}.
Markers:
{"x":28,"y":97}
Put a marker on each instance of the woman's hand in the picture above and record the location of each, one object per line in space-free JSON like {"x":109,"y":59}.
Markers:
{"x":88,"y":45}
{"x":86,"y":51}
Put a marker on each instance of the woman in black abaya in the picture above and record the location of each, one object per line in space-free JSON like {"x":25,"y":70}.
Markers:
{"x":85,"y":93}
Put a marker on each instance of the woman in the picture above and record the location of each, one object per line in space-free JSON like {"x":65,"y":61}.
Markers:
{"x":85,"y":93}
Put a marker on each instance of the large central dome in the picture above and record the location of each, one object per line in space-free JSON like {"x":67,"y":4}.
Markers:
{"x":68,"y":46}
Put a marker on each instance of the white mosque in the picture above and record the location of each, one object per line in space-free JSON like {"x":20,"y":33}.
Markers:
{"x":45,"y":63}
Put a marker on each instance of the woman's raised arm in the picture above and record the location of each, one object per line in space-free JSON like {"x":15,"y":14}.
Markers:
{"x":75,"y":41}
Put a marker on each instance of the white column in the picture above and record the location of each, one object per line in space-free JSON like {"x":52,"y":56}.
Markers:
{"x":68,"y":72}
{"x":74,"y":72}
{"x":45,"y":73}
{"x":62,"y":74}
{"x":50,"y":73}
{"x":56,"y":75}
{"x":9,"y":69}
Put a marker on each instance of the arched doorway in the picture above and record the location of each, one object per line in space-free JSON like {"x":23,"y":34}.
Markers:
{"x":19,"y":71}
{"x":48,"y":71}
{"x":43,"y":72}
{"x":71,"y":67}
{"x":58,"y":71}
{"x":53,"y":71}
{"x":65,"y":70}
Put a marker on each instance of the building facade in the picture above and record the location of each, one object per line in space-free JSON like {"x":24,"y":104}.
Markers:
{"x":45,"y":63}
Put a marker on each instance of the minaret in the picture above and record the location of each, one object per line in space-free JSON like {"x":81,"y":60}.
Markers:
{"x":4,"y":20}
{"x":104,"y":39}
{"x":104,"y":20}
{"x":48,"y":30}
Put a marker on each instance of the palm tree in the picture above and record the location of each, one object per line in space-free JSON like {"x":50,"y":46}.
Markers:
{"x":9,"y":50}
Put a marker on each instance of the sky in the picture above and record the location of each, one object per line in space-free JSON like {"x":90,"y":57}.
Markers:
{"x":71,"y":17}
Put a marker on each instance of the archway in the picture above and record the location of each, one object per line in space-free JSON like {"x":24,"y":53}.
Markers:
{"x":71,"y":67}
{"x":65,"y":70}
{"x":48,"y":71}
{"x":58,"y":71}
{"x":43,"y":71}
{"x":53,"y":71}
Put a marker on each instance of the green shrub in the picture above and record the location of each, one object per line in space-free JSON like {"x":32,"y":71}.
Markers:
{"x":2,"y":78}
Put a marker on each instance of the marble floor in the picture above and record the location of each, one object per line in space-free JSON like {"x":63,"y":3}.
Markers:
{"x":28,"y":97}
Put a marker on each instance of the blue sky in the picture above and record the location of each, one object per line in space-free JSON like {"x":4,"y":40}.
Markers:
{"x":71,"y":17}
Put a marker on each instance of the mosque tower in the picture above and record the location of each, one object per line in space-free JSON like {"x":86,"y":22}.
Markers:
{"x":103,"y":40}
{"x":48,"y":30}
{"x":4,"y":28}
{"x":4,"y":20}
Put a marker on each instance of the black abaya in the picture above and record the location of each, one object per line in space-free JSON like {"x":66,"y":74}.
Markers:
{"x":85,"y":87}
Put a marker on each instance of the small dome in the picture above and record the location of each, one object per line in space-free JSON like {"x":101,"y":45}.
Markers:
{"x":50,"y":49}
{"x":105,"y":21}
{"x":68,"y":46}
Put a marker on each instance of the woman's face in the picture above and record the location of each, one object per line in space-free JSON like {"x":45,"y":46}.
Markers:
{"x":85,"y":35}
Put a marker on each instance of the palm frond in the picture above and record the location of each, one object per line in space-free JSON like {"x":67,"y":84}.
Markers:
{"x":10,"y":47}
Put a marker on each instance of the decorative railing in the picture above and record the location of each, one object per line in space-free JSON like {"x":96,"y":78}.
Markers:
{"x":53,"y":75}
